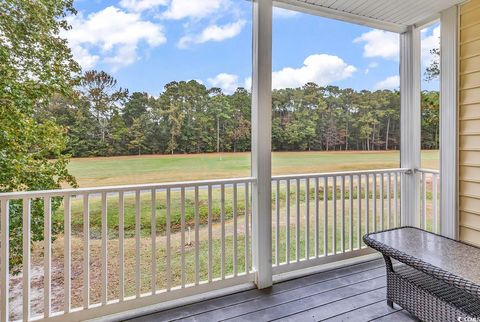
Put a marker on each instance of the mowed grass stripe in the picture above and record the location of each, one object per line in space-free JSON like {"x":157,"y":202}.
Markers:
{"x":105,"y":171}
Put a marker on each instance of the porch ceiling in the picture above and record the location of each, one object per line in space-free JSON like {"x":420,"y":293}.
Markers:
{"x":391,"y":15}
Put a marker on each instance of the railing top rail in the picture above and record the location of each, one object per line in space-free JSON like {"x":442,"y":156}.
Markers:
{"x":342,"y":173}
{"x":428,"y":171}
{"x":124,"y":188}
{"x":189,"y":184}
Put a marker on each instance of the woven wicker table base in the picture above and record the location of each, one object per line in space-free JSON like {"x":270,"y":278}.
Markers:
{"x":439,"y":279}
{"x":428,"y":298}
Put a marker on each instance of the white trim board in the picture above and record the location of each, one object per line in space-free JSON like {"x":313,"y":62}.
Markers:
{"x":339,"y":15}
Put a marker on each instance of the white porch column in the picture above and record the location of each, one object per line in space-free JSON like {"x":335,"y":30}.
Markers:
{"x":410,"y":124}
{"x":448,"y":123}
{"x":261,"y":142}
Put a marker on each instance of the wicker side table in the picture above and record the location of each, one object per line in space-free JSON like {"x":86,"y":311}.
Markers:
{"x":438,"y":278}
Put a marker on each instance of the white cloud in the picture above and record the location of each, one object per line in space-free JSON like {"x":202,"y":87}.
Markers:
{"x":321,"y":69}
{"x":227,"y":82}
{"x":141,"y":5}
{"x":115,"y":34}
{"x":392,"y":82}
{"x":213,"y":33}
{"x":379,"y":43}
{"x":83,"y":57}
{"x":372,"y":65}
{"x":283,"y":13}
{"x":248,"y":83}
{"x":180,"y":9}
{"x":428,"y":43}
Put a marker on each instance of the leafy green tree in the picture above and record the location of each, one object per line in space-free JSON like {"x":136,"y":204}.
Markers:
{"x":137,"y":105}
{"x":35,"y":64}
{"x":433,"y":71}
{"x":430,"y":120}
{"x":220,"y":109}
{"x":137,"y":136}
{"x":239,"y":127}
{"x":99,"y":91}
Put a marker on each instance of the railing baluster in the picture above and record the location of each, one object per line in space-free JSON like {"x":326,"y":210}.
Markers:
{"x":4,"y":260}
{"x":182,"y":236}
{"x":359,"y":211}
{"x":169,"y":242}
{"x":104,"y":250}
{"x":374,"y":207}
{"x":26,"y":257}
{"x":307,"y":218}
{"x":247,"y":229}
{"x":389,"y":198}
{"x":197,"y":238}
{"x":68,"y":253}
{"x":210,"y":252}
{"x":154,"y":240}
{"x":287,"y":200}
{"x":235,"y":228}
{"x":277,"y":223}
{"x":395,"y":199}
{"x":423,"y":220}
{"x":121,"y":243}
{"x":367,"y":204}
{"x":317,"y":221}
{"x":325,"y":216}
{"x":334,"y":222}
{"x":382,"y":202}
{"x":297,"y":220}
{"x":47,"y":260}
{"x":434,"y":203}
{"x":86,"y":251}
{"x":350,"y":196}
{"x":222,"y":223}
{"x":342,"y":193}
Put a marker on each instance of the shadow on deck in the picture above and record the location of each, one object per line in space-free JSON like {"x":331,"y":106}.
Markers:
{"x":355,"y":293}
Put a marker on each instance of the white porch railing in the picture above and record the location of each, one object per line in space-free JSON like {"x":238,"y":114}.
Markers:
{"x":127,"y":247}
{"x":321,"y":218}
{"x":155,"y":243}
{"x":430,"y":200}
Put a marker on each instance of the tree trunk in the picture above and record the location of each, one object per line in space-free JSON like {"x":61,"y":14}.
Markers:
{"x":218,"y":134}
{"x":373,"y":139}
{"x":346,"y":139}
{"x":386,"y":135}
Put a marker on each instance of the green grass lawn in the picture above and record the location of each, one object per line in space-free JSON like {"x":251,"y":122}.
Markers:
{"x":131,"y":170}
{"x":93,"y":172}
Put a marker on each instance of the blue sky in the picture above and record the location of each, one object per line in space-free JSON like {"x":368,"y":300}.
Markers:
{"x":148,"y":43}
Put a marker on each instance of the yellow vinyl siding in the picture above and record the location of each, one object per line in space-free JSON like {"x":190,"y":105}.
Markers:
{"x":470,"y":220}
{"x":469,"y":157}
{"x":469,"y":235}
{"x":469,"y":122}
{"x":471,"y":81}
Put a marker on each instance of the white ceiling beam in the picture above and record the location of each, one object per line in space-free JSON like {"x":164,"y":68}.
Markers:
{"x":427,"y":22}
{"x":339,"y":15}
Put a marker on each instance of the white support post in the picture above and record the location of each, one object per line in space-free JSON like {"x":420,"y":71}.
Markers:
{"x":261,"y":143}
{"x":448,"y":123}
{"x":410,"y":124}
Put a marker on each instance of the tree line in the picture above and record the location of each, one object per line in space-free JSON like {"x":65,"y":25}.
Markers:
{"x":103,"y":119}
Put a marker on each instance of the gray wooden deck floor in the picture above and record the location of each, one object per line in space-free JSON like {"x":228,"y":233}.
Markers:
{"x":354,"y":293}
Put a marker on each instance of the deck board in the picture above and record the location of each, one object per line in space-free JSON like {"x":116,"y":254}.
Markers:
{"x":355,"y":293}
